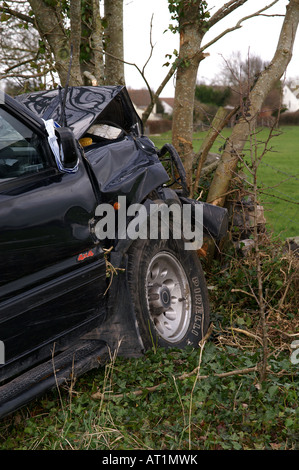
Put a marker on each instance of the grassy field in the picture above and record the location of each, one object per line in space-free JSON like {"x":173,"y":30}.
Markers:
{"x":196,"y":399}
{"x":278,"y":175}
{"x":229,"y":413}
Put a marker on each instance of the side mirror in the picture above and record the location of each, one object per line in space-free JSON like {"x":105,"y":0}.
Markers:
{"x":69,"y":148}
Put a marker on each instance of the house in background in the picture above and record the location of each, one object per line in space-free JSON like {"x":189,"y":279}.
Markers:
{"x":168,"y":104}
{"x":157,"y":121}
{"x":141,"y":99}
{"x":290,"y":97}
{"x":160,"y":119}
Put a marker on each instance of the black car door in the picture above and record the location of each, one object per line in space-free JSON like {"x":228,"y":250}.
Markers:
{"x":52,"y":276}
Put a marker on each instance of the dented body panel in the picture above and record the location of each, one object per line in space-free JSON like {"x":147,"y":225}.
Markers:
{"x":126,"y":165}
{"x":55,"y":296}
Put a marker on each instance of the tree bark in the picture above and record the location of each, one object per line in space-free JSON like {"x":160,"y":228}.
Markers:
{"x":114,"y":45}
{"x":75,"y":18}
{"x":97,"y":43}
{"x":216,"y":127}
{"x":193,"y":24}
{"x":188,"y":62}
{"x":50,"y":26}
{"x":78,"y":43}
{"x":245,"y":126}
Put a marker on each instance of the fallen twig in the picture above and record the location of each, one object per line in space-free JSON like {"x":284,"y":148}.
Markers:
{"x":110,"y":269}
{"x":284,"y":333}
{"x":247,"y":333}
{"x":154,"y":388}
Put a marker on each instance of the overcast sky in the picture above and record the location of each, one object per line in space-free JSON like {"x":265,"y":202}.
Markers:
{"x":257,"y":35}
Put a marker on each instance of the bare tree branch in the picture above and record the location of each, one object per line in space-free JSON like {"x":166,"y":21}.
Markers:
{"x":225,"y":10}
{"x":19,"y":64}
{"x":26,"y":77}
{"x":156,"y":95}
{"x":238,"y":25}
{"x":18,"y":14}
{"x":151,"y":44}
{"x":75,"y":18}
{"x":257,"y":94}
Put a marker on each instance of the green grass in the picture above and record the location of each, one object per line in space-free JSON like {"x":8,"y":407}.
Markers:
{"x":184,"y":411}
{"x":278,"y":175}
{"x":209,"y":414}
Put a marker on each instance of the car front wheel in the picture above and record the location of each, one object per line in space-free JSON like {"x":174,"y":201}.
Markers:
{"x":169,"y":293}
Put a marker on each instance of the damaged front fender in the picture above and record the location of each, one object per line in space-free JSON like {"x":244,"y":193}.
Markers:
{"x":124,"y":168}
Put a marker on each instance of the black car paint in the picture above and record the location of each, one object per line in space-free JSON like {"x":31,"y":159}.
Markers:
{"x":44,"y":227}
{"x":129,"y":166}
{"x":83,"y":106}
{"x":53,"y":275}
{"x":53,"y":271}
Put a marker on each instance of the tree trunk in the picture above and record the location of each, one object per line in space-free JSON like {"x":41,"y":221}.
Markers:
{"x":193,"y":23}
{"x":217,"y":125}
{"x":84,"y":38}
{"x":97,"y":42}
{"x":49,"y":24}
{"x":75,"y":39}
{"x":89,"y":33}
{"x":188,"y":62}
{"x":235,"y":144}
{"x":114,"y":45}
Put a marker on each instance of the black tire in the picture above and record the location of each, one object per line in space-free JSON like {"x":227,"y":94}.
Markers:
{"x":169,"y":293}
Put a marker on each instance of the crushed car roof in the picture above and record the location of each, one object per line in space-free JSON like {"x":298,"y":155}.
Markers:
{"x":79,"y":107}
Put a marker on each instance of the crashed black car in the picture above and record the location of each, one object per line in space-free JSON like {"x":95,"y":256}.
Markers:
{"x":67,"y":297}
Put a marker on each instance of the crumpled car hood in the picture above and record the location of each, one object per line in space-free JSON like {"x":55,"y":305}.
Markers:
{"x":82,"y":106}
{"x":129,"y":166}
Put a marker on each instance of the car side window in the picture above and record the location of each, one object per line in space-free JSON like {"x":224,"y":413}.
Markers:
{"x":21,"y":151}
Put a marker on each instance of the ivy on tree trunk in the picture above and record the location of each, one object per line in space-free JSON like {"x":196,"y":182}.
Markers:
{"x":74,"y":35}
{"x":227,"y":167}
{"x":193,"y":21}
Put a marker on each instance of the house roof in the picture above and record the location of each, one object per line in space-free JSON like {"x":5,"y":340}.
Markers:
{"x":290,"y":100}
{"x":141,"y":98}
{"x":169,"y":101}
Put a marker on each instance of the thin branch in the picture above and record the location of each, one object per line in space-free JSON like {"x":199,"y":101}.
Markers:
{"x":154,"y":96}
{"x":19,"y":64}
{"x":168,"y":76}
{"x":26,"y":77}
{"x":277,"y":197}
{"x":247,"y":333}
{"x":237,"y":26}
{"x":18,"y":15}
{"x":186,"y":375}
{"x":225,"y":10}
{"x":151,"y":44}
